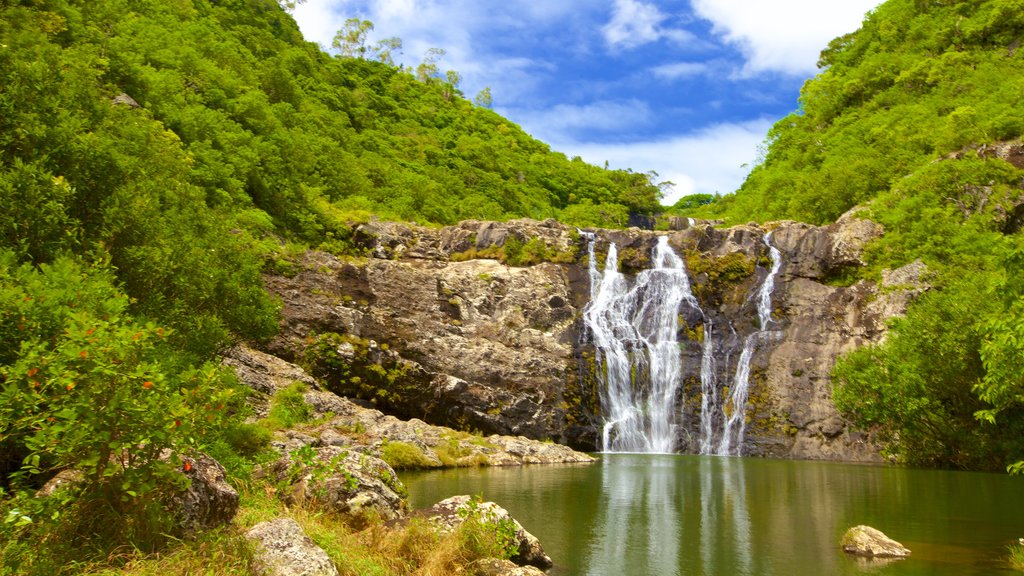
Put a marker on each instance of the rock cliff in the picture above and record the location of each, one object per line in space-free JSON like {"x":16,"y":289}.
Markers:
{"x":431,"y":324}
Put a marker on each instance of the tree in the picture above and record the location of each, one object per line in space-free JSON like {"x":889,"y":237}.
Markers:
{"x":427,"y":71}
{"x":483,"y":98}
{"x":383,"y":49}
{"x":350,"y":41}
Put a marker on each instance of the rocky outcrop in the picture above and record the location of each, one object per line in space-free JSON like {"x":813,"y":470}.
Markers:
{"x":349,"y":483}
{"x":872,"y":543}
{"x":344,"y":423}
{"x":209,"y":501}
{"x":283,"y":549}
{"x":432,"y":326}
{"x":447,"y":515}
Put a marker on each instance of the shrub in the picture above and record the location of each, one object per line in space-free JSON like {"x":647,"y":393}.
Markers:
{"x":288,"y":407}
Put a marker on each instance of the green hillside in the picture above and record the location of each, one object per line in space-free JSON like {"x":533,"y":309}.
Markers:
{"x":917,"y":117}
{"x":155,"y":157}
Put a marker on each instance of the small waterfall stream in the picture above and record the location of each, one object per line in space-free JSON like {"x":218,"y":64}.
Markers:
{"x":735,"y":409}
{"x":634,"y":327}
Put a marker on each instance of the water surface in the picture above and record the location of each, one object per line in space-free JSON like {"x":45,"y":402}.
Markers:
{"x":700,"y":515}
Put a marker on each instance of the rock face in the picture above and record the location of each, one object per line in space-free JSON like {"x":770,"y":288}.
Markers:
{"x":283,"y":549}
{"x":871,"y":543}
{"x":450,"y":513}
{"x":346,"y":482}
{"x":429,"y":326}
{"x":366,"y":430}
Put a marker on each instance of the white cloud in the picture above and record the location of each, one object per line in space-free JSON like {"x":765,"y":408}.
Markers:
{"x":558,"y":123}
{"x":681,"y":70}
{"x":633,"y":24}
{"x":715,"y":159}
{"x":783,"y":35}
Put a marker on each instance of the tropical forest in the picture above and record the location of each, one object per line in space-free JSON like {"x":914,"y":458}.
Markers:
{"x":269,"y":307}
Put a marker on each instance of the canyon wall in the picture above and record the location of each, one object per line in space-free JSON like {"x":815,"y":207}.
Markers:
{"x":431,"y":324}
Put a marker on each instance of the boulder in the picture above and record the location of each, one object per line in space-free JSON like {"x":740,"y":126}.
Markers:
{"x":64,"y":479}
{"x":343,"y":481}
{"x":871,"y":543}
{"x":496,"y":567}
{"x":209,"y":501}
{"x":450,"y":513}
{"x":283,"y":549}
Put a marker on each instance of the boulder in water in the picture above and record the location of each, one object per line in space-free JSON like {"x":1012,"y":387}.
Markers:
{"x":871,"y":543}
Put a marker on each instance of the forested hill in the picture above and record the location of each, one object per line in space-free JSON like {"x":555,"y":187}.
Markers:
{"x":917,"y":118}
{"x":174,"y":137}
{"x":919,"y":80}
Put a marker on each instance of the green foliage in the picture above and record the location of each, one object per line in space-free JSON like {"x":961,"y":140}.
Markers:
{"x":288,"y":407}
{"x":484,"y":534}
{"x":404,"y":456}
{"x":1016,"y":555}
{"x":916,"y":390}
{"x":688,"y":203}
{"x":87,"y":387}
{"x":917,"y":81}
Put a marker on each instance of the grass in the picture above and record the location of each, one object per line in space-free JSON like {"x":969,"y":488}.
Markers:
{"x":416,"y":549}
{"x":1016,"y":556}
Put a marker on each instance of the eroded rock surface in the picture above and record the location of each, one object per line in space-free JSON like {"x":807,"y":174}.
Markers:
{"x":872,"y":543}
{"x":370,"y":431}
{"x":479,"y":345}
{"x":283,"y":549}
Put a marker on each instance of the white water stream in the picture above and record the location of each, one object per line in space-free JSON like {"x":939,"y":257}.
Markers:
{"x":735,"y":409}
{"x":637,"y":354}
{"x":634,"y":328}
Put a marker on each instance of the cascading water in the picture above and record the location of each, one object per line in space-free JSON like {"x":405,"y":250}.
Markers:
{"x":634,"y":333}
{"x":735,"y":409}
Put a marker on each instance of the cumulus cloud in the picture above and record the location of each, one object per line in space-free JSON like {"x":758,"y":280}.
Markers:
{"x":635,"y":23}
{"x":560,"y":122}
{"x":715,"y":159}
{"x":784,"y":35}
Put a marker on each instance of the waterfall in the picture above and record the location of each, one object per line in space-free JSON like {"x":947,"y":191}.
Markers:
{"x":708,"y":391}
{"x":636,"y":350}
{"x":734,"y":410}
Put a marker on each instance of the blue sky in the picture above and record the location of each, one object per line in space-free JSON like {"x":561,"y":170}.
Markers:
{"x":687,"y":88}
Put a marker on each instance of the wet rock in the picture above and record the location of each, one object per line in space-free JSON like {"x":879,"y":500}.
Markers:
{"x":450,"y":513}
{"x":483,"y":346}
{"x":872,"y":543}
{"x":283,"y":549}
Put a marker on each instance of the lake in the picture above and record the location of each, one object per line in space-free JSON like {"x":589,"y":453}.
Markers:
{"x":641,"y":514}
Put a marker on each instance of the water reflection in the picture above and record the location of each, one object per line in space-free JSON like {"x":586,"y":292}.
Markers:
{"x":639,"y":518}
{"x":705,"y":516}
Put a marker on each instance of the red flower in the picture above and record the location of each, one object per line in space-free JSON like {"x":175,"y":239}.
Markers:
{"x":187,"y":466}
{"x":147,"y":384}
{"x":84,"y":354}
{"x":32,"y":372}
{"x":70,"y":386}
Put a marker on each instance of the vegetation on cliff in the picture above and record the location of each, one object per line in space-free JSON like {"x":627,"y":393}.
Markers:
{"x":916,"y":116}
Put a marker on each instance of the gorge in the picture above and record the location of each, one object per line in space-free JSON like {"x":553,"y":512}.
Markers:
{"x":634,"y":356}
